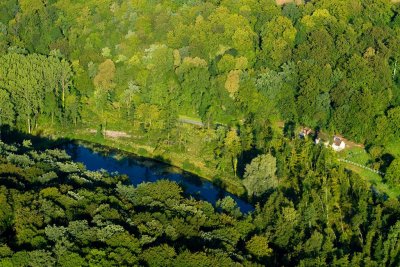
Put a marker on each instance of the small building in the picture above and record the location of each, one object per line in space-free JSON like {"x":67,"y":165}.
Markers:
{"x":305,"y":132}
{"x":338,"y":144}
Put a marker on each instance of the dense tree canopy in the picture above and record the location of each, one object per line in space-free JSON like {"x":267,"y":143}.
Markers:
{"x":323,"y":64}
{"x":205,"y":85}
{"x":56,"y":213}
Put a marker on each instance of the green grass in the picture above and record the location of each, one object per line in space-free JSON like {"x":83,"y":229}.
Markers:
{"x":374,"y":179}
{"x":185,"y":117}
{"x":360,"y":156}
{"x":356,"y":154}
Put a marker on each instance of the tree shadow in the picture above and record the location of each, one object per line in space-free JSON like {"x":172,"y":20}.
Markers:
{"x":289,"y":129}
{"x":245,"y":158}
{"x":217,"y":181}
{"x":386,"y":161}
{"x":39,"y":142}
{"x":162,"y":159}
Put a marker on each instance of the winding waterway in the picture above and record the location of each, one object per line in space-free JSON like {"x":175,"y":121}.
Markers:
{"x":141,"y":170}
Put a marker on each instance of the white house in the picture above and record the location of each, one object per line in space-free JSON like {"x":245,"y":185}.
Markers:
{"x":338,"y":144}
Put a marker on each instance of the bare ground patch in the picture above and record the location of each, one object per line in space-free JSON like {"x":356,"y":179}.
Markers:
{"x":112,"y":134}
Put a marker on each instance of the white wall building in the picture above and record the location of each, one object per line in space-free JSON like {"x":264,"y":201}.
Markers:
{"x":338,"y":144}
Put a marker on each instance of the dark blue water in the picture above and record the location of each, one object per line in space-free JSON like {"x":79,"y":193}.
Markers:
{"x":141,"y":170}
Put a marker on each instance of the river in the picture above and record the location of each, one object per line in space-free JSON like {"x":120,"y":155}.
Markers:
{"x":141,"y":170}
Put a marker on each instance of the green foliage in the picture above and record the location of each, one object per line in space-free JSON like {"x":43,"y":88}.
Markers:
{"x":7,"y":113}
{"x":392,"y":248}
{"x":159,"y":256}
{"x":228,"y":204}
{"x":35,"y":86}
{"x":240,"y":64}
{"x":103,"y":221}
{"x":258,"y":246}
{"x":186,"y":63}
{"x":6,"y":214}
{"x":47,"y":177}
{"x":319,"y":214}
{"x":133,"y":67}
{"x":233,"y":147}
{"x":20,"y":160}
{"x":260,"y":175}
{"x":393,"y":173}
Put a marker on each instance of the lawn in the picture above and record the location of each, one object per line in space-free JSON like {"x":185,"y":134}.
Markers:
{"x":375,"y":179}
{"x":356,"y":154}
{"x":360,"y":156}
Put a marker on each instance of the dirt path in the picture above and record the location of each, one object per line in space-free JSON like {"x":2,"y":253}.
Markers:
{"x":190,"y":121}
{"x":112,"y":134}
{"x":349,"y":143}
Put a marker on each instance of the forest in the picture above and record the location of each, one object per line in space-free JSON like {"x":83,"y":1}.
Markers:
{"x":56,"y":213}
{"x":220,"y":88}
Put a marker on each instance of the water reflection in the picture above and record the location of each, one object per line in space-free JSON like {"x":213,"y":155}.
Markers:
{"x":144,"y":170}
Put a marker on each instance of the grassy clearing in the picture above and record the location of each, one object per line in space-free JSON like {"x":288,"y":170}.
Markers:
{"x":374,"y":179}
{"x":356,"y":154}
{"x":360,"y":156}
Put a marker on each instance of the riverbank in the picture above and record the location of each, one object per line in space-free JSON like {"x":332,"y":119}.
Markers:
{"x":140,"y":170}
{"x":191,"y":165}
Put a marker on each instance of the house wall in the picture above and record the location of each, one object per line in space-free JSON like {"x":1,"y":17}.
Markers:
{"x":340,"y":147}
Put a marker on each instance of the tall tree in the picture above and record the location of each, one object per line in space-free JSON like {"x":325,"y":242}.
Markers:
{"x":7,"y":113}
{"x":393,"y":173}
{"x":260,"y":175}
{"x":233,"y":148}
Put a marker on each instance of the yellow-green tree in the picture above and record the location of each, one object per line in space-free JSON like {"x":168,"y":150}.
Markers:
{"x":233,"y":148}
{"x":278,"y":39}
